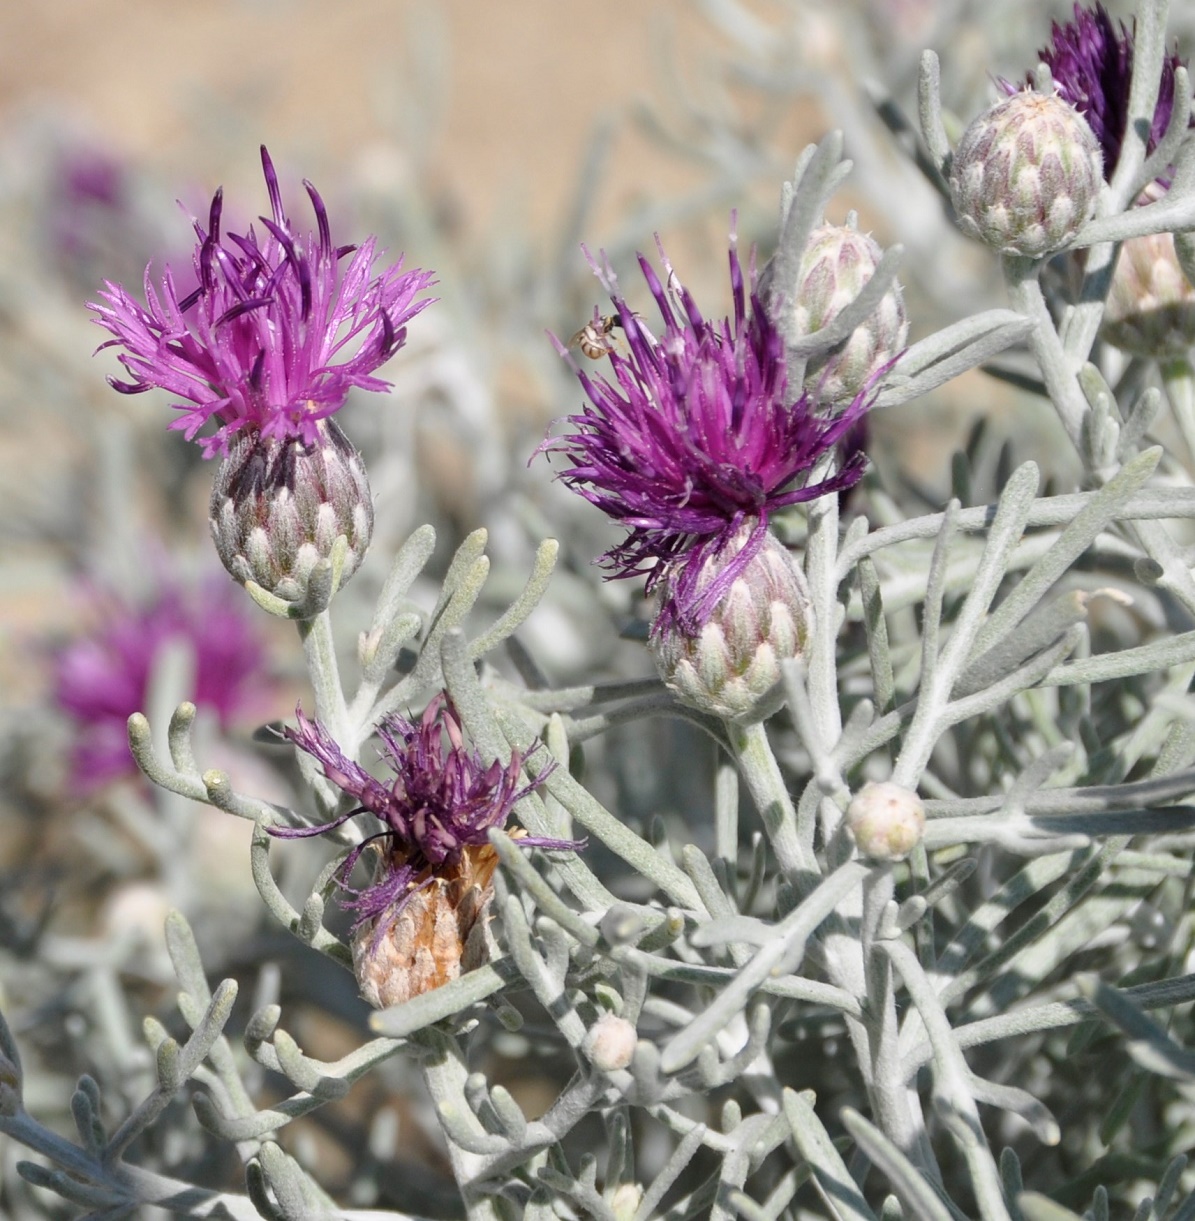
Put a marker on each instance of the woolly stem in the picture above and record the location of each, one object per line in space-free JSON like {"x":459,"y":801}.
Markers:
{"x":759,"y":768}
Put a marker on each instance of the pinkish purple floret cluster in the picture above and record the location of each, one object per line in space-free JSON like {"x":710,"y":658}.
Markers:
{"x":103,"y":678}
{"x":694,"y":438}
{"x":442,"y":800}
{"x":1092,"y":65}
{"x":276,"y":333}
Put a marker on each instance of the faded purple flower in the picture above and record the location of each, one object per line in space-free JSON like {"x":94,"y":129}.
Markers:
{"x":90,"y":200}
{"x":1092,"y":65}
{"x":89,"y":216}
{"x":695,"y":437}
{"x":278,"y":331}
{"x":436,"y":810}
{"x":103,"y":678}
{"x":93,"y":175}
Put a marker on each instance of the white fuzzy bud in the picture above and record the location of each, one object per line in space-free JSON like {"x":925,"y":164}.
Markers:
{"x":887,"y":820}
{"x":625,"y":1201}
{"x":610,"y":1043}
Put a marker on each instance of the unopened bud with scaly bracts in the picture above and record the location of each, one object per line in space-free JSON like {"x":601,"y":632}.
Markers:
{"x":1026,"y":175}
{"x":837,"y":262}
{"x":725,"y":659}
{"x":1150,"y":307}
{"x":279,"y":504}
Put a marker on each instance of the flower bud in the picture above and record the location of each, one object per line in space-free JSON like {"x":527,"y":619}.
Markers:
{"x":610,"y":1043}
{"x":278,"y":507}
{"x":1026,"y":175}
{"x":440,"y":933}
{"x":887,"y":820}
{"x":731,"y":662}
{"x":625,"y":1201}
{"x":837,"y":262}
{"x":1150,"y":310}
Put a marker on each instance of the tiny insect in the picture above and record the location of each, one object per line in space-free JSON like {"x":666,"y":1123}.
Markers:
{"x":594,"y":337}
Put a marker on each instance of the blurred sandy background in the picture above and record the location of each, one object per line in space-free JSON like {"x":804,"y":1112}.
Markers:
{"x":493,"y":102}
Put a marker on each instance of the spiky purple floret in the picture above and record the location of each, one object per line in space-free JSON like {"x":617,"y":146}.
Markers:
{"x":696,"y":437}
{"x":1092,"y":65}
{"x":443,"y":799}
{"x":275,"y":335}
{"x":103,"y":678}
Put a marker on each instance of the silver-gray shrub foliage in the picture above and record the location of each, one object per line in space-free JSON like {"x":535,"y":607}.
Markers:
{"x":736,"y":1014}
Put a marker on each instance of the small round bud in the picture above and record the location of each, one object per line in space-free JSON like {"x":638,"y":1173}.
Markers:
{"x":837,"y":262}
{"x":610,"y":1043}
{"x":887,"y":820}
{"x":1150,"y":310}
{"x":1026,"y":175}
{"x":278,"y":507}
{"x":625,"y":1201}
{"x":730,"y":663}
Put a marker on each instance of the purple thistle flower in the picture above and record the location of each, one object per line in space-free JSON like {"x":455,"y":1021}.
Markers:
{"x":1092,"y":66}
{"x":102,"y":679}
{"x":92,"y":175}
{"x":437,"y":810}
{"x":695,"y":437}
{"x":275,"y":335}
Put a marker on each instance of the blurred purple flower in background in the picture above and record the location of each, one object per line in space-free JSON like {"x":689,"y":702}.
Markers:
{"x":90,"y":192}
{"x":102,"y":678}
{"x":276,"y":333}
{"x":696,"y":437}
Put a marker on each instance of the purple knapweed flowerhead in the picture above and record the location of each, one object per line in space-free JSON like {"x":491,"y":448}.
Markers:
{"x":102,"y":678}
{"x":1092,"y":65}
{"x":281,"y":326}
{"x":422,"y":920}
{"x":694,"y":441}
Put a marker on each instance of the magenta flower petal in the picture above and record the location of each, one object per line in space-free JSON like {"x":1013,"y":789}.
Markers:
{"x":279,"y":330}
